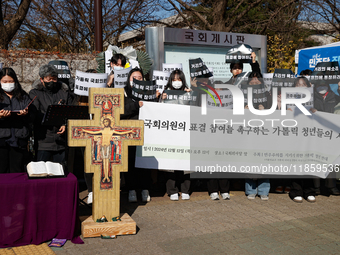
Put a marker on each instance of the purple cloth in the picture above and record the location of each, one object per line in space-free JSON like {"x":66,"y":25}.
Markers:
{"x":33,"y":211}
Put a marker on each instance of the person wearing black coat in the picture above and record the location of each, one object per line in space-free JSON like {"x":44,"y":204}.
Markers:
{"x":176,"y":178}
{"x":50,"y":139}
{"x":135,"y":178}
{"x":325,"y":100}
{"x":237,"y":68}
{"x":14,"y":123}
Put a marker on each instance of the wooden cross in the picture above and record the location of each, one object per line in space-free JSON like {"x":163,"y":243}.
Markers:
{"x":106,"y":139}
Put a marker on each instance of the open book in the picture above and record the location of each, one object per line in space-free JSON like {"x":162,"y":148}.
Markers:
{"x":41,"y":168}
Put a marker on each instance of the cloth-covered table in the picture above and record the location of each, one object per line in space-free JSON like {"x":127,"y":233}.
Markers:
{"x":33,"y":211}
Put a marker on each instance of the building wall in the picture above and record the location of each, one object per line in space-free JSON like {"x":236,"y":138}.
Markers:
{"x":26,"y":63}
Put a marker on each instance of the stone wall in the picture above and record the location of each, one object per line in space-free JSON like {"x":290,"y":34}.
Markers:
{"x":26,"y":63}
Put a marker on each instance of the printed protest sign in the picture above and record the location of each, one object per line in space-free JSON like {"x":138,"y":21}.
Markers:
{"x":267,"y":79}
{"x":62,"y":67}
{"x":121,"y":76}
{"x":161,"y":79}
{"x":225,"y":96}
{"x":144,"y":90}
{"x":308,"y":105}
{"x":180,"y":97}
{"x":108,"y":56}
{"x":84,"y":81}
{"x":168,"y":67}
{"x":281,"y":145}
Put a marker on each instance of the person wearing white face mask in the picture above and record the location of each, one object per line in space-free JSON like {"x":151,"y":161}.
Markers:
{"x":14,"y":119}
{"x":117,"y":62}
{"x":176,"y":178}
{"x":176,"y":82}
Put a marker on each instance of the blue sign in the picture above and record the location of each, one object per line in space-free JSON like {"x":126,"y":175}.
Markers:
{"x":308,"y":58}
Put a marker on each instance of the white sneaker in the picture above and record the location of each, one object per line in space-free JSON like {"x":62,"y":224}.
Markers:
{"x":145,"y":196}
{"x":264,"y":197}
{"x":311,"y":199}
{"x":214,"y":196}
{"x":185,"y":196}
{"x":174,"y":197}
{"x":90,"y":198}
{"x":225,"y":196}
{"x":297,"y":199}
{"x":132,"y":196}
{"x":251,"y":196}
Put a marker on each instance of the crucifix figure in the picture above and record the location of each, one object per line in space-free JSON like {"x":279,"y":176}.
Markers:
{"x":106,"y":146}
{"x":106,"y":139}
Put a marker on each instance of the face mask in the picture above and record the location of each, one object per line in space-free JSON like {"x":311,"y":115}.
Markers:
{"x":322,"y":89}
{"x":118,"y":68}
{"x":8,"y":87}
{"x":131,"y":83}
{"x":177,"y":84}
{"x":52,"y":86}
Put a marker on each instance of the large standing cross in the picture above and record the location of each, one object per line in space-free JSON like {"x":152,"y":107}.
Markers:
{"x":106,"y":139}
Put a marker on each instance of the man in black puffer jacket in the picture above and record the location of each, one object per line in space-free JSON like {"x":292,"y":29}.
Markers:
{"x":50,"y":139}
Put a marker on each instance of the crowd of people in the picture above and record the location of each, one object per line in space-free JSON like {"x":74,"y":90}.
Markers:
{"x":22,"y":113}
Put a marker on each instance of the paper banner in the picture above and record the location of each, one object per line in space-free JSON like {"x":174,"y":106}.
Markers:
{"x":239,"y":54}
{"x":84,"y":81}
{"x":144,"y":90}
{"x":62,"y":68}
{"x":308,"y":105}
{"x":161,"y":79}
{"x":172,"y":67}
{"x":267,"y":79}
{"x":121,"y":77}
{"x":180,"y":97}
{"x":198,"y":69}
{"x":108,"y":56}
{"x":191,"y":140}
{"x":226,"y":98}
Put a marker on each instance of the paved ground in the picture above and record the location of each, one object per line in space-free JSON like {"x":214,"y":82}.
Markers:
{"x":237,"y":226}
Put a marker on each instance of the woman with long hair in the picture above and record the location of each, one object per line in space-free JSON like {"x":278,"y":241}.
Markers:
{"x":14,"y":119}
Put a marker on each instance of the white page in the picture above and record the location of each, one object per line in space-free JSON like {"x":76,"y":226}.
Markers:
{"x":36,"y":168}
{"x":54,"y":168}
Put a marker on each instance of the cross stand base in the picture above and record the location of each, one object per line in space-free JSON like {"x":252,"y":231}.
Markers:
{"x":127,"y":226}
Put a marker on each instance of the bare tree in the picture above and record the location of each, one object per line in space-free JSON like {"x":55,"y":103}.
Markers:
{"x":323,"y":16}
{"x":71,"y":22}
{"x":250,"y":16}
{"x":11,"y":17}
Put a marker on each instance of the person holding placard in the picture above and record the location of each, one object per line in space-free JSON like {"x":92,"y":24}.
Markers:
{"x":325,"y":100}
{"x":84,"y":101}
{"x":118,"y":62}
{"x":237,"y":68}
{"x":50,"y":139}
{"x":258,"y":187}
{"x":177,"y":82}
{"x":301,"y":188}
{"x":135,"y":178}
{"x":260,"y":95}
{"x":14,"y":119}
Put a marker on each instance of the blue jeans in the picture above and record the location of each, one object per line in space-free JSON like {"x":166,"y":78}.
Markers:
{"x":259,"y":186}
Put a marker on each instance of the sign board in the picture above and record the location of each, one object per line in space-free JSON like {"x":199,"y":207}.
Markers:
{"x":173,"y":45}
